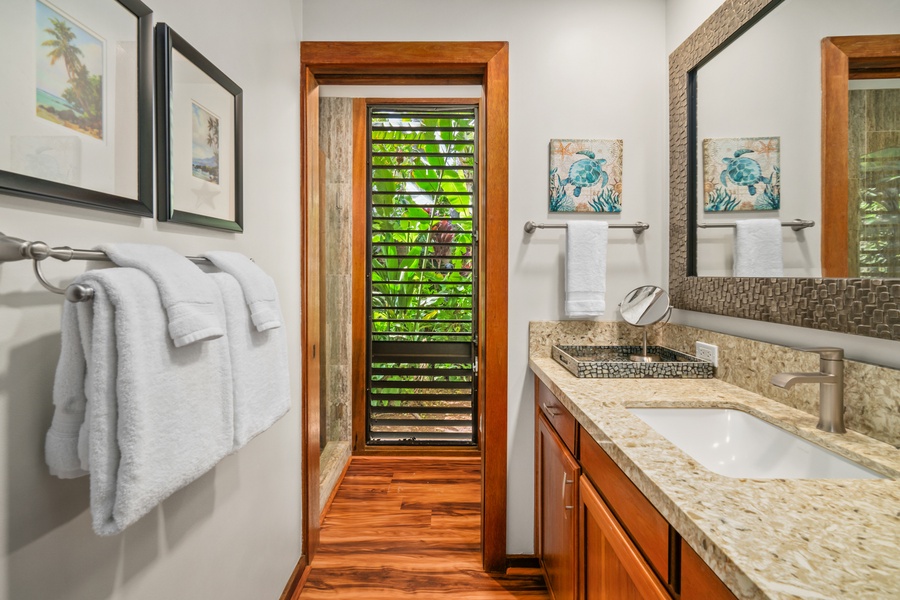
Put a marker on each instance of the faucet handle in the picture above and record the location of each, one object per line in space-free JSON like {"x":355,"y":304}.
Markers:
{"x":827,"y":353}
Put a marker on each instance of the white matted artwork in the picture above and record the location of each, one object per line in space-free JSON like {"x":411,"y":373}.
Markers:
{"x":50,"y":157}
{"x":741,"y":174}
{"x":586,"y":176}
{"x":202,"y":123}
{"x":72,"y":69}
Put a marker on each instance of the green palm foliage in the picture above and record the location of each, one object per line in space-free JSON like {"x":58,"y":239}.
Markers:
{"x":422,"y":223}
{"x":62,"y":47}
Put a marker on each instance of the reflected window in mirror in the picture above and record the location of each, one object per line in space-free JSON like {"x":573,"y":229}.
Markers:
{"x":874,"y":193}
{"x":761,"y":95}
{"x":861,"y":156}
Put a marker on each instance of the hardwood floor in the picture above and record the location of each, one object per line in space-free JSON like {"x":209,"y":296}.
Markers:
{"x":409,"y":527}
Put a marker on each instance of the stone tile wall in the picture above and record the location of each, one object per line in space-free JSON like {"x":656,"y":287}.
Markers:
{"x":336,"y":142}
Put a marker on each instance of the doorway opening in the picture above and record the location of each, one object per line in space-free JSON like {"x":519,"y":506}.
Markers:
{"x":443,"y":63}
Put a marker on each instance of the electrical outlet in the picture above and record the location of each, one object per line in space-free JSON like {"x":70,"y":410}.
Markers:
{"x":707,"y":352}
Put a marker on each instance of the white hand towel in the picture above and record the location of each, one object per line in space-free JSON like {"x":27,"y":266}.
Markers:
{"x":586,"y":268}
{"x":757,"y":248}
{"x":259,"y":289}
{"x":156,"y":416}
{"x":187,"y":294}
{"x":259,"y":365}
{"x":61,"y":444}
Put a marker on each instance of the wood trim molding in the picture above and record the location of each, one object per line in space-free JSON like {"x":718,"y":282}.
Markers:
{"x":310,"y":336}
{"x":421,"y":59}
{"x":295,"y":584}
{"x":334,"y":491}
{"x":845,"y":58}
{"x":413,"y":101}
{"x":493,"y":342}
{"x":486,"y":63}
{"x":358,"y":278}
{"x":835,"y":177}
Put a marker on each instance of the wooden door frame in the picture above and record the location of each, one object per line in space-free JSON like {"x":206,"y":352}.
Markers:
{"x":418,"y":63}
{"x":845,"y":58}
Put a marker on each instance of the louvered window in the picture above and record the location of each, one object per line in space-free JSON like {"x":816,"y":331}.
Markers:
{"x":422,"y":188}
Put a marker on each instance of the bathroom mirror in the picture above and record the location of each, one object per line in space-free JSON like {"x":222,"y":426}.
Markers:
{"x":849,"y":305}
{"x":645,"y":306}
{"x":759,"y":134}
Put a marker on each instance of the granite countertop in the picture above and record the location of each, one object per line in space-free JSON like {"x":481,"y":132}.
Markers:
{"x":765,"y":538}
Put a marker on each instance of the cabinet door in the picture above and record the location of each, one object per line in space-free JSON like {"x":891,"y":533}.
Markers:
{"x":698,"y":581}
{"x":611,"y":566}
{"x":558,"y":475}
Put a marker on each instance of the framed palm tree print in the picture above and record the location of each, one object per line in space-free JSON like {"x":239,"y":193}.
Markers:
{"x":77,"y":124}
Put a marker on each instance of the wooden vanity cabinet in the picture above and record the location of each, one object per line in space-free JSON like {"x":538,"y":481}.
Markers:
{"x":557,"y":493}
{"x":615,"y":544}
{"x":596,"y":535}
{"x":698,"y":581}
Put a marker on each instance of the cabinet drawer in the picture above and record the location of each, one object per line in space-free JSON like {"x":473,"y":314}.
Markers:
{"x":644,"y":524}
{"x":698,"y":581}
{"x":561,"y":419}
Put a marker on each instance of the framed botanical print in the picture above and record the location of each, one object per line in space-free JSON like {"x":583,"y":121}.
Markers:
{"x":199,"y":128}
{"x":77,"y":121}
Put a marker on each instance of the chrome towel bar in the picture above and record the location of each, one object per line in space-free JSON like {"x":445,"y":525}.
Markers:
{"x":796,"y":224}
{"x":13,"y":249}
{"x":638,"y":227}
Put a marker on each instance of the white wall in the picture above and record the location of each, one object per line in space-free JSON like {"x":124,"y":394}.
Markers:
{"x":682,"y":18}
{"x":234,"y":533}
{"x":578,"y":69}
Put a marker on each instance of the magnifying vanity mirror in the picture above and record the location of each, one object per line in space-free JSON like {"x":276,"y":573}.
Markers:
{"x":785,"y":110}
{"x":643,"y":307}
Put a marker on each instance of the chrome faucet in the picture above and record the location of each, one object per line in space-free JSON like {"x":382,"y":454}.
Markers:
{"x":831,"y":388}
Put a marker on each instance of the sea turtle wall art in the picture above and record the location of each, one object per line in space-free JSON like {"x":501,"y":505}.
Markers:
{"x":741,"y":174}
{"x":586,"y":176}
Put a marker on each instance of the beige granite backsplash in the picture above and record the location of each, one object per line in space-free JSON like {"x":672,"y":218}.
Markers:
{"x":542,"y":335}
{"x":871,"y":393}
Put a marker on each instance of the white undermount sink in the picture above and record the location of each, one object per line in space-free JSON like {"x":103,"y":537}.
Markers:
{"x":737,"y":444}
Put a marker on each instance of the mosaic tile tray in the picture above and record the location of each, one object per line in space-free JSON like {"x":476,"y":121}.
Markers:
{"x":612,"y":362}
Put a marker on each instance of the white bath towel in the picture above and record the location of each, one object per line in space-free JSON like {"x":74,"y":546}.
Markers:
{"x":586,"y":268}
{"x":156,"y":416}
{"x":258,"y":288}
{"x":259,"y":365}
{"x":757,"y":248}
{"x":187,"y":294}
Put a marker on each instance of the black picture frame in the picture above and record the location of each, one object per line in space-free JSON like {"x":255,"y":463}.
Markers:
{"x":169,"y":206}
{"x":38,"y":188}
